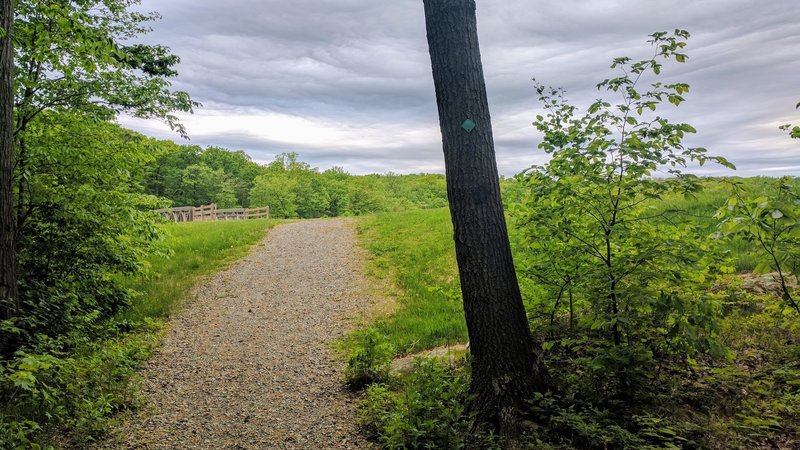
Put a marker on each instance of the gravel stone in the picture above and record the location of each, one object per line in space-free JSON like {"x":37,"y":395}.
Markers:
{"x":248,"y":364}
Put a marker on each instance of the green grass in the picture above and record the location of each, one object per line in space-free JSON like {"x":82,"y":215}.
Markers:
{"x":414,"y":251}
{"x":701,"y":208}
{"x":197,"y":249}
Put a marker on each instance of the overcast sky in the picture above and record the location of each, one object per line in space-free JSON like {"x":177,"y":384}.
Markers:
{"x":348,"y":82}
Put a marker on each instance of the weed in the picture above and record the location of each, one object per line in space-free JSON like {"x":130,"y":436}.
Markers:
{"x":369,"y":359}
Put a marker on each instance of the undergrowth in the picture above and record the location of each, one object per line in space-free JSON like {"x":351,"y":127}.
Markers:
{"x":422,"y":409}
{"x":52,"y":399}
{"x":745,"y":400}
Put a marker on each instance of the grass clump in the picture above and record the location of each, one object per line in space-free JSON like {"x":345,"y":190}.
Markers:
{"x":370,"y":358}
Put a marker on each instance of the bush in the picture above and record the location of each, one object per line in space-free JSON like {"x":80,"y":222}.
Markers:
{"x":76,"y":395}
{"x":370,"y":359}
{"x":427,"y":412}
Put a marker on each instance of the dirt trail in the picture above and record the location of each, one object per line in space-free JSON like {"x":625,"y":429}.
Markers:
{"x":248,"y":364}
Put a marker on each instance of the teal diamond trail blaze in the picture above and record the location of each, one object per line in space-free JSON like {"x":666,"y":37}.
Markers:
{"x":468,"y":125}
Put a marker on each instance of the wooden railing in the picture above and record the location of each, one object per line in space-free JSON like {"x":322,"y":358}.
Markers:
{"x":210,"y":212}
{"x":205,"y":212}
{"x":243,"y":213}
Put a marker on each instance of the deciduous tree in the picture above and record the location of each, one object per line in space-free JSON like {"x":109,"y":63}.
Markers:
{"x":73,"y":56}
{"x":597,"y":212}
{"x":9,"y":299}
{"x":505,"y":368}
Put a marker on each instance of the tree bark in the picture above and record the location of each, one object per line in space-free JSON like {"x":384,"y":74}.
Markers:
{"x":505,"y":362}
{"x":9,"y":298}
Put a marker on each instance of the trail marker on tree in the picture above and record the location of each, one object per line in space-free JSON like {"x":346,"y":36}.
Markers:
{"x":505,"y":367}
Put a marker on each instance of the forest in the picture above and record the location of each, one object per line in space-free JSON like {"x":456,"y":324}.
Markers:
{"x":662,"y":306}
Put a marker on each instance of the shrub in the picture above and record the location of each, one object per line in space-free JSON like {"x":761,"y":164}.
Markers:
{"x":75,"y":395}
{"x":370,"y":359}
{"x":426,"y":412}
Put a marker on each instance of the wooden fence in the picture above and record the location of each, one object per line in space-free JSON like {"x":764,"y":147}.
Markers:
{"x":243,"y":213}
{"x":210,"y":212}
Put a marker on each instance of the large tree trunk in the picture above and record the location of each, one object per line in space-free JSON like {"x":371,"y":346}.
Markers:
{"x":9,"y":299}
{"x":505,"y":368}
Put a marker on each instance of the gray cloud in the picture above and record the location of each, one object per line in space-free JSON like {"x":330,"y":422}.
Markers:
{"x":361,"y":70}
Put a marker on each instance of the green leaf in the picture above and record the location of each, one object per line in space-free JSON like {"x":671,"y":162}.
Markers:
{"x":23,"y":379}
{"x":762,"y":267}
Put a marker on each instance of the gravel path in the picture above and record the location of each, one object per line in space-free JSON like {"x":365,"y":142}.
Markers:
{"x":248,"y":364}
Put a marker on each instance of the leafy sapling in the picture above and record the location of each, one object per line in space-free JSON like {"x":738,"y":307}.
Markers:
{"x":635,"y":268}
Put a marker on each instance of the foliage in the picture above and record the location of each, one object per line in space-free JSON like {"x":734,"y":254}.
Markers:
{"x":42,"y":393}
{"x":794,"y":131}
{"x":369,"y":359}
{"x":426,"y":411}
{"x":190,"y":175}
{"x":81,"y":219}
{"x":83,"y":224}
{"x":772,"y":221}
{"x":239,"y":171}
{"x":73,"y":61}
{"x":275,"y":191}
{"x":75,"y":56}
{"x":637,"y":278}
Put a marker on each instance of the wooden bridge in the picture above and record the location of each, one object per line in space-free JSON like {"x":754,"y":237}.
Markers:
{"x":210,"y":212}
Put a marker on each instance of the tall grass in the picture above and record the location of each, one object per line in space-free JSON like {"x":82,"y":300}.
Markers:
{"x":196,"y":249}
{"x":414,"y":250}
{"x":700,"y":209}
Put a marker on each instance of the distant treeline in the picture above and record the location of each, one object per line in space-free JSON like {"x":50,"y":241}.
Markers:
{"x":191,"y":175}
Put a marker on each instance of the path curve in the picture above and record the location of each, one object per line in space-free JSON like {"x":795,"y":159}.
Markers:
{"x":248,"y":364}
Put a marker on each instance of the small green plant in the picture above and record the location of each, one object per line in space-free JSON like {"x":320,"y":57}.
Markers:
{"x":369,"y":360}
{"x":427,"y":411}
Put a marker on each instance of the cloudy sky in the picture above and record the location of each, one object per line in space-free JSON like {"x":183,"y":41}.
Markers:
{"x":348,"y":82}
